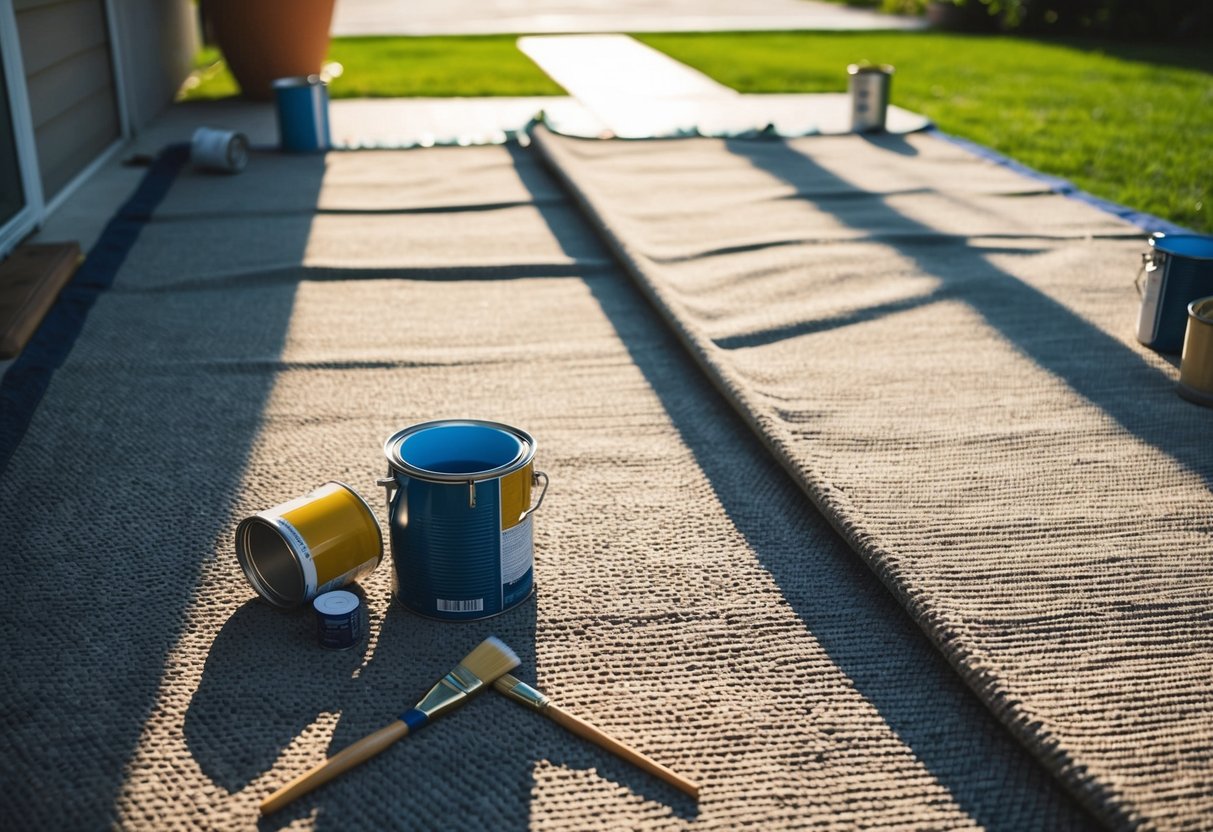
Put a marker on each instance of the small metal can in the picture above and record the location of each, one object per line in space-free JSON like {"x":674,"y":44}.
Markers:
{"x":303,"y":114}
{"x":321,"y":541}
{"x":1196,"y":365}
{"x":221,"y":150}
{"x":868,"y":85}
{"x":339,"y":619}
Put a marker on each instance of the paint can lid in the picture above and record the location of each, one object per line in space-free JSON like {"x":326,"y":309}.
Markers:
{"x":298,"y":81}
{"x":337,"y":602}
{"x":1196,"y":246}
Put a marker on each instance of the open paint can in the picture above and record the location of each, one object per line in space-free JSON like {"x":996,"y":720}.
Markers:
{"x":1196,"y":366}
{"x":460,"y":517}
{"x":305,"y":547}
{"x":1178,"y":269}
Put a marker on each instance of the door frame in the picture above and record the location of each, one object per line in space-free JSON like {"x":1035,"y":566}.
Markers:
{"x":38,"y":207}
{"x":31,"y":214}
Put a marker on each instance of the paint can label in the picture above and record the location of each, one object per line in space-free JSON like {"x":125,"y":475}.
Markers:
{"x":517,"y":559}
{"x":1147,"y":319}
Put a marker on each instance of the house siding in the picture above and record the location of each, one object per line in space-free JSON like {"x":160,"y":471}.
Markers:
{"x":65,"y":49}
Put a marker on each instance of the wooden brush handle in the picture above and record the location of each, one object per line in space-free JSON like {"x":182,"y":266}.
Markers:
{"x":586,"y":731}
{"x":345,"y":760}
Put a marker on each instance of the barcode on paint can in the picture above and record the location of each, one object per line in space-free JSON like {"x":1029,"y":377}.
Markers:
{"x":472,"y":605}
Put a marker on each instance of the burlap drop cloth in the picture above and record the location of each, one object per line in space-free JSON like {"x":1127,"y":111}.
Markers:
{"x":266,"y":334}
{"x":942,"y":353}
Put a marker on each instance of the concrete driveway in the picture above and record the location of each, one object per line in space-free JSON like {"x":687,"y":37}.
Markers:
{"x":480,"y":17}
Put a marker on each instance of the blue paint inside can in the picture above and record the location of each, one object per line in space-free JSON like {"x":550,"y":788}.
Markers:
{"x":460,"y":449}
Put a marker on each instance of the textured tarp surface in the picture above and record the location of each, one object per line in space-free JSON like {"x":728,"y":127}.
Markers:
{"x":261,"y":339}
{"x":941,"y":352}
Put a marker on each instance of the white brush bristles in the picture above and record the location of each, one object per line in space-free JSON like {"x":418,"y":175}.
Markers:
{"x":490,"y":660}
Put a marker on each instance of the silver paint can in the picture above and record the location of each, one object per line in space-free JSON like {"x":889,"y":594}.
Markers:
{"x":220,"y":150}
{"x":868,"y":85}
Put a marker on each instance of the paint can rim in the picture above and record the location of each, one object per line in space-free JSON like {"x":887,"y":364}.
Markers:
{"x":398,"y":465}
{"x":1201,"y":310}
{"x":249,"y":563}
{"x":294,"y":81}
{"x":861,"y":69}
{"x":1167,"y":243}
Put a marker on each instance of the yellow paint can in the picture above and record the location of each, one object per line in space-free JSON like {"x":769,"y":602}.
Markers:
{"x":1196,"y":366}
{"x":305,"y":547}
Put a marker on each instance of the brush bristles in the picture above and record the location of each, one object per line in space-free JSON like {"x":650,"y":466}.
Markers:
{"x":490,"y":660}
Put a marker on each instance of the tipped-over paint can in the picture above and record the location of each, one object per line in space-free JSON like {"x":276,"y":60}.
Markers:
{"x":220,"y":150}
{"x":869,"y":85}
{"x":1196,"y":365}
{"x":460,"y":517}
{"x":339,"y":619}
{"x":319,"y":542}
{"x":303,"y":114}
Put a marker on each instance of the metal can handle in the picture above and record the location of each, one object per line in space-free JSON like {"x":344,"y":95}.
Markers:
{"x":388,"y":483}
{"x":1152,"y":258}
{"x":535,"y":477}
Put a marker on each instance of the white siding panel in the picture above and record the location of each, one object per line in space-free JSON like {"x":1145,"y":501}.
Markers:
{"x":53,"y":33}
{"x":66,"y":84}
{"x":68,"y":71}
{"x":67,"y":144}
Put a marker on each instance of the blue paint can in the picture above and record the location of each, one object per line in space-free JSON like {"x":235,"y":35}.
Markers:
{"x":303,"y":114}
{"x":340,"y":621}
{"x":460,"y":517}
{"x":1178,"y":269}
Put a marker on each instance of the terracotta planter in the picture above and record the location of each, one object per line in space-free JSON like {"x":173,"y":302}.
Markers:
{"x":266,"y":39}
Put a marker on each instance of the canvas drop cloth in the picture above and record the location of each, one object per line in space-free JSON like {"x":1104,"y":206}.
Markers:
{"x":942,"y":353}
{"x":267,"y":333}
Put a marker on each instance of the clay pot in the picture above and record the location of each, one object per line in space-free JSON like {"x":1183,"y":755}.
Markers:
{"x":266,"y":39}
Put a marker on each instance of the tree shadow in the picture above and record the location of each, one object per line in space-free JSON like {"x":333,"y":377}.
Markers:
{"x":1091,"y":362}
{"x":266,"y":681}
{"x":1194,"y":54}
{"x":866,"y":634}
{"x":155,"y":447}
{"x":476,"y":764}
{"x":892,"y":142}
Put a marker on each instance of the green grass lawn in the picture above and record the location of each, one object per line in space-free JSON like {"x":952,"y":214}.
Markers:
{"x":1130,"y":124}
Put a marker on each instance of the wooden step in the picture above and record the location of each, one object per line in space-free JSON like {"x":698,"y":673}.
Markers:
{"x":30,"y":280}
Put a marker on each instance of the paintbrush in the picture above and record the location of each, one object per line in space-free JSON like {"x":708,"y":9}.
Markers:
{"x":524,"y":694}
{"x":479,"y":668}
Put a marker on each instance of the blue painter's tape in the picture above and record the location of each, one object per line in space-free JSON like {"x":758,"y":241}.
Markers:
{"x":1144,"y":221}
{"x":414,"y":719}
{"x":30,"y":374}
